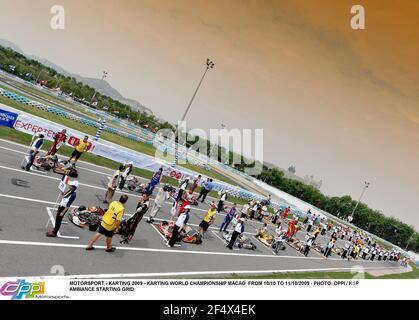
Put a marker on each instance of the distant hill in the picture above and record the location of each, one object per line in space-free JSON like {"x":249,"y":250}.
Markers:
{"x":102,"y":87}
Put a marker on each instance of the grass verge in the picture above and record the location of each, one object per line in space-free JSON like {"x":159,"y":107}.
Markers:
{"x":24,"y":138}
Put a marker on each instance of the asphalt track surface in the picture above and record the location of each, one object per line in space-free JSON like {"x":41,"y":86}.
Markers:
{"x":26,"y":251}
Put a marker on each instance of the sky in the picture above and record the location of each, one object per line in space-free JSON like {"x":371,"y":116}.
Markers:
{"x":338,"y":103}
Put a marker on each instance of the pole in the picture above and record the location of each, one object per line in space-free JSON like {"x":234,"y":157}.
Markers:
{"x":39,"y":75}
{"x":194,"y":95}
{"x":210,"y":65}
{"x":100,"y":129}
{"x":94,"y":95}
{"x":367,"y":184}
{"x":408,"y":241}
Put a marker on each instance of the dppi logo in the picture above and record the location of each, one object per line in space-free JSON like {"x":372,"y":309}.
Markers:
{"x":20,"y":288}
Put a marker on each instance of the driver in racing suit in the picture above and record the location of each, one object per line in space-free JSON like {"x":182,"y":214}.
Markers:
{"x":59,"y":139}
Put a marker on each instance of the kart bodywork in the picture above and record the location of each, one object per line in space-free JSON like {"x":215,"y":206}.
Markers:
{"x":86,"y":217}
{"x":63,"y":167}
{"x":265,"y":238}
{"x":242,"y":241}
{"x":188,"y":235}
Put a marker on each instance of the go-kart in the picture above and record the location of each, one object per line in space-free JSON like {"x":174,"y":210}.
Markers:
{"x":264,"y":237}
{"x":187,"y":235}
{"x":242,"y":241}
{"x":133,"y":184}
{"x":296,"y":244}
{"x":45,"y":163}
{"x":65,"y":168}
{"x":86,"y":217}
{"x":278,"y":244}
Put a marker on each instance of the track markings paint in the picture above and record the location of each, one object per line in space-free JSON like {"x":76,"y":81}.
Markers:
{"x":80,"y":161}
{"x":59,"y":235}
{"x":264,"y":246}
{"x":138,"y":249}
{"x":222,"y":240}
{"x":189,"y":273}
{"x":166,"y":242}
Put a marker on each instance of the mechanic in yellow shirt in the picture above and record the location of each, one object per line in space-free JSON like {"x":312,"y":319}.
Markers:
{"x":208,"y":219}
{"x":110,"y":223}
{"x":80,"y":147}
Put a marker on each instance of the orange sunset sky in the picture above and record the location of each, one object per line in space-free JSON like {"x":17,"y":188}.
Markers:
{"x":337,"y":103}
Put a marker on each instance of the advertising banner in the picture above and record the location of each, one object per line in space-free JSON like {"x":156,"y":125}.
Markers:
{"x":7,"y":118}
{"x":34,"y":125}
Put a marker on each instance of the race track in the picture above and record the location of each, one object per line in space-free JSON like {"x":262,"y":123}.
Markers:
{"x":26,"y":251}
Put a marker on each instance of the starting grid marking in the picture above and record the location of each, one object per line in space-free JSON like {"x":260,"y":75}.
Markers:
{"x":51,"y":217}
{"x":160,"y":250}
{"x":52,"y":220}
{"x":221,"y":239}
{"x":80,"y":161}
{"x":133,"y":275}
{"x":44,"y":175}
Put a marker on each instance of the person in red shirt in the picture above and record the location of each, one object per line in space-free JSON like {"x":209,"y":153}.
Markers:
{"x":59,"y":139}
{"x":188,"y":199}
{"x":195,"y":183}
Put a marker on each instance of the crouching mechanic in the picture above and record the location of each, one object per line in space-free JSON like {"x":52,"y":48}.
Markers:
{"x":110,"y":224}
{"x":66,"y":202}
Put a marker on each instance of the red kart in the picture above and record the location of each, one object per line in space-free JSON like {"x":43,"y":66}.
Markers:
{"x":187,"y":235}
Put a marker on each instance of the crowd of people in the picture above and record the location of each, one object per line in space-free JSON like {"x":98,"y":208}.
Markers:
{"x":357,"y":244}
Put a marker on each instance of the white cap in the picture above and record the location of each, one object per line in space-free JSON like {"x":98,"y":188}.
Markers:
{"x":187,"y":206}
{"x":130,"y":163}
{"x":242,"y":219}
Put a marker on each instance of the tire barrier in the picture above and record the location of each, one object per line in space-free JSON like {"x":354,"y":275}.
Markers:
{"x":180,"y":152}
